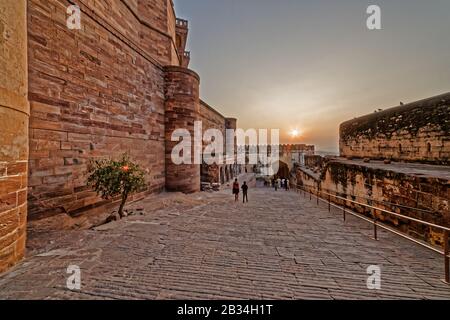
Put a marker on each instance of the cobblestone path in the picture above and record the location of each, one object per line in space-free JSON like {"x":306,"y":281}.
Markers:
{"x":279,"y":246}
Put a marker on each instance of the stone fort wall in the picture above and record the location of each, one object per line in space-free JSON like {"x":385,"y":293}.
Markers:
{"x":14,"y":114}
{"x":218,"y":173}
{"x":95,"y":92}
{"x":102,"y":91}
{"x":120,"y":84}
{"x":386,"y":189}
{"x":415,"y":132}
{"x":182,"y":110}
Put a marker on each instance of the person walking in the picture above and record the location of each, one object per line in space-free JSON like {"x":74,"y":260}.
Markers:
{"x":236,"y":190}
{"x":245,"y":192}
{"x":286,"y":185}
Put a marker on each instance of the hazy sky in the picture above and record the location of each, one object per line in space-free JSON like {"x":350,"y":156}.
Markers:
{"x":313,"y":64}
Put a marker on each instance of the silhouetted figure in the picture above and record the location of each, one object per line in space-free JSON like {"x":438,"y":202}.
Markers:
{"x":245,"y":192}
{"x":236,"y":190}
{"x":277,"y":184}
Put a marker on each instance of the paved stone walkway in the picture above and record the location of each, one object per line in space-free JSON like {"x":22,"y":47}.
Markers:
{"x":279,"y":246}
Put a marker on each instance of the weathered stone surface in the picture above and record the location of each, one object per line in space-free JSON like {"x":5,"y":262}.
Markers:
{"x":205,"y":246}
{"x":182,"y":111}
{"x":415,"y":132}
{"x":95,"y":92}
{"x":397,"y":187}
{"x":99,"y":92}
{"x":14,"y":114}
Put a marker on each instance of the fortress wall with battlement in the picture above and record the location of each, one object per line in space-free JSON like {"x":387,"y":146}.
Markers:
{"x":415,"y":132}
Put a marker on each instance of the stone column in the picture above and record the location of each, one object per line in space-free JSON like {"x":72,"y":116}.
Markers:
{"x":14,"y":115}
{"x":182,"y":109}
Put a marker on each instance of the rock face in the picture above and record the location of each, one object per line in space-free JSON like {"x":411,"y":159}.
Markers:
{"x":119,"y":84}
{"x":14,"y":114}
{"x":415,"y":132}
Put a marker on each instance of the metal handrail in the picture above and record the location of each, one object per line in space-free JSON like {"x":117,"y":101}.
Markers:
{"x":390,"y":212}
{"x":445,"y":252}
{"x":392,"y":204}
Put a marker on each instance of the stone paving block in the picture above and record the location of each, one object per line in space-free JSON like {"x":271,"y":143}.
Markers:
{"x":272,"y":248}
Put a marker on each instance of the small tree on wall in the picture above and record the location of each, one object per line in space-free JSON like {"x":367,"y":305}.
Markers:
{"x":110,"y":178}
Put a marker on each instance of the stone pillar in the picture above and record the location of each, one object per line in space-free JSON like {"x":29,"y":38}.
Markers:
{"x":14,"y":115}
{"x":182,"y":110}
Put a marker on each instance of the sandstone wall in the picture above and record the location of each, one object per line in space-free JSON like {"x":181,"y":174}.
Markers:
{"x":419,"y":131}
{"x":313,"y":161}
{"x":231,"y":124}
{"x":211,"y":119}
{"x":172,"y":32}
{"x":94,"y":92}
{"x":14,"y":114}
{"x":388,"y":190}
{"x":182,"y":110}
{"x":114,"y":86}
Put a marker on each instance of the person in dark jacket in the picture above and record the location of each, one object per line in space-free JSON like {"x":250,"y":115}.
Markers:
{"x":245,"y":192}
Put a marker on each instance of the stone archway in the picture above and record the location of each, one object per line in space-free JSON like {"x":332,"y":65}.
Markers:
{"x":283,"y":170}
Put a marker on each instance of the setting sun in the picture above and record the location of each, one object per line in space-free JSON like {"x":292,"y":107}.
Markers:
{"x":295,"y":133}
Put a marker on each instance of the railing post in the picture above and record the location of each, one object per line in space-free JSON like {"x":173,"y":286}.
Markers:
{"x":329,"y":203}
{"x":447,"y":259}
{"x":375,"y":233}
{"x":317,"y":196}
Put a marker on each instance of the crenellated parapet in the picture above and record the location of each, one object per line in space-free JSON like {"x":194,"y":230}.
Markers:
{"x":414,"y":132}
{"x":182,"y":31}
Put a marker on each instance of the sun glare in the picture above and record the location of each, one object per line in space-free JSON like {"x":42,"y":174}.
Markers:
{"x":295,"y":133}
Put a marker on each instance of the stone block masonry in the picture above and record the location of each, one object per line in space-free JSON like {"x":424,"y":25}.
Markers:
{"x":401,"y":188}
{"x":182,"y":110}
{"x":93,"y":93}
{"x":14,"y":114}
{"x":120,"y":84}
{"x":415,"y":132}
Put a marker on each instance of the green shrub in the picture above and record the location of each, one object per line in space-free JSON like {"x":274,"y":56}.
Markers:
{"x":110,"y":178}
